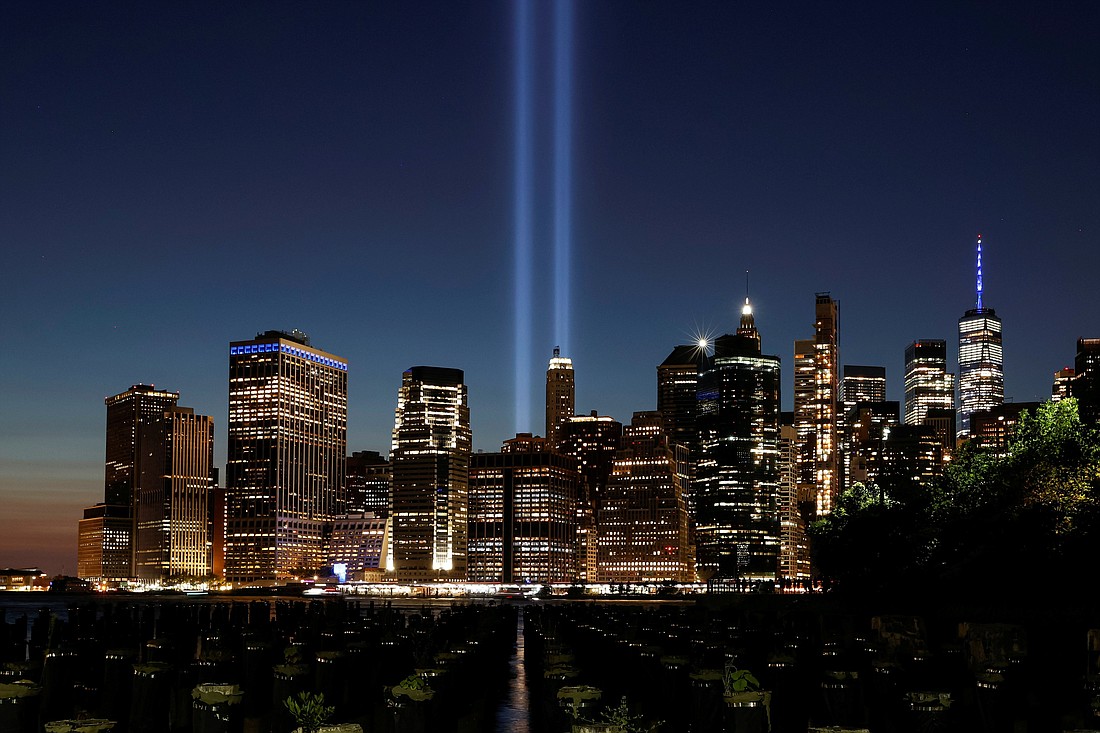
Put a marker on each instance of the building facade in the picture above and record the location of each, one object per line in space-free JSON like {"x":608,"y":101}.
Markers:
{"x":523,"y":514}
{"x":287,"y":446}
{"x":431,"y":474}
{"x":816,"y":397}
{"x":368,"y":483}
{"x":981,"y":364}
{"x":172,"y":514}
{"x":644,"y":532}
{"x":1086,"y":379}
{"x":561,"y":396}
{"x":737,"y":475}
{"x":928,"y":384}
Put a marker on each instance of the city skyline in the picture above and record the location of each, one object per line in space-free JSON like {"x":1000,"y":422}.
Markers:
{"x":189,"y":177}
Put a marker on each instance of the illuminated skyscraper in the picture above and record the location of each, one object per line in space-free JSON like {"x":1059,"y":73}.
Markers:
{"x":592,"y":441}
{"x":288,"y":415}
{"x":643,"y":521}
{"x":794,"y":548}
{"x":816,"y":394}
{"x":860,"y":384}
{"x":981,"y":365}
{"x":928,"y":384}
{"x":431,"y":474}
{"x":522,"y":514}
{"x":737,"y":522}
{"x":1063,"y":384}
{"x":560,"y":396}
{"x":172,"y":513}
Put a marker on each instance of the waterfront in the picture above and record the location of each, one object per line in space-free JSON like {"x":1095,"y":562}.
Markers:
{"x":508,"y":667}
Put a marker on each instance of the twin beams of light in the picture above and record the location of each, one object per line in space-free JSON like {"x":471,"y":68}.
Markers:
{"x":524,"y":191}
{"x":523,"y":205}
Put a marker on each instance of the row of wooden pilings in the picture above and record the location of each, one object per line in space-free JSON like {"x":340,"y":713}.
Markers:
{"x":816,"y":671}
{"x":227,"y":667}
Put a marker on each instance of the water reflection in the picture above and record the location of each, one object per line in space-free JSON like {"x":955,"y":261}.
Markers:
{"x":514,"y":714}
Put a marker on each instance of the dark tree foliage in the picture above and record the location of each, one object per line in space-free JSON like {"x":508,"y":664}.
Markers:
{"x":1028,"y":520}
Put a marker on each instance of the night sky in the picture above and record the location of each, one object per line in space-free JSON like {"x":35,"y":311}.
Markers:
{"x":177,"y":176}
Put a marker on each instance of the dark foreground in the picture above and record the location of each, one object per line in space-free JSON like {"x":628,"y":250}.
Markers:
{"x":889,"y":668}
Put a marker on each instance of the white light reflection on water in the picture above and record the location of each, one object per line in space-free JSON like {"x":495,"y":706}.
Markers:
{"x":514,"y":714}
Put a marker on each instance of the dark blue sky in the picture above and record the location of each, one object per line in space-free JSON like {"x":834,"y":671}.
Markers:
{"x":177,"y":177}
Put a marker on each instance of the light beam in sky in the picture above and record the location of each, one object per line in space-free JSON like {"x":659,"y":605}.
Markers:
{"x":563,"y":167}
{"x":523,"y":213}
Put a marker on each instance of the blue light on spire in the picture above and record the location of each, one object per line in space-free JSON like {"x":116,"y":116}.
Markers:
{"x":979,"y":272}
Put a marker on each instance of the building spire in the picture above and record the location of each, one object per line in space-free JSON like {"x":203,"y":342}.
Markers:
{"x":979,"y":288}
{"x":748,"y":322}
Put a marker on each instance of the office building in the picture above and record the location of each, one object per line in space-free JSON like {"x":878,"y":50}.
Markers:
{"x":737,"y":475}
{"x":128,"y":415}
{"x":993,"y":429}
{"x":356,"y":545}
{"x":287,"y":428}
{"x":1086,"y":380}
{"x":869,"y":424}
{"x":859,"y":384}
{"x":795,"y":509}
{"x":816,"y":396}
{"x":104,"y":551}
{"x":981,"y":364}
{"x":522,"y":514}
{"x":431,"y":474}
{"x":677,"y":399}
{"x":643,"y":521}
{"x":172,"y":513}
{"x":592,"y":441}
{"x":928,"y":384}
{"x":1063,"y":384}
{"x":561,"y":396}
{"x":911,"y":454}
{"x":368,"y":483}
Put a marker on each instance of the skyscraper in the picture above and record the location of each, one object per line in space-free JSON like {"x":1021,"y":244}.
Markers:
{"x":522,"y":515}
{"x":644,"y":533}
{"x":431,"y":474}
{"x":860,"y":384}
{"x":368,"y":483}
{"x":288,"y":408}
{"x":172,"y":513}
{"x":815,"y":403}
{"x":591,"y":440}
{"x":1063,"y":384}
{"x":737,"y":476}
{"x":130,"y":415}
{"x":981,"y":368}
{"x":928,"y":384}
{"x":560,"y":396}
{"x":1086,"y":379}
{"x":677,"y":387}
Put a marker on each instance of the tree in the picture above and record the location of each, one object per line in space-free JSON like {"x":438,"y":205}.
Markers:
{"x":991,"y":522}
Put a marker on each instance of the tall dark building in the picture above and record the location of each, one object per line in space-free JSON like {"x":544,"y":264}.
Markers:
{"x":127,"y":414}
{"x":368,"y":483}
{"x":981,"y":364}
{"x":561,"y":396}
{"x":859,"y":384}
{"x":172,"y":514}
{"x":993,"y":429}
{"x":431,"y":475}
{"x":592,"y":441}
{"x":522,"y":514}
{"x":869,"y":424}
{"x":130,"y":415}
{"x":288,"y":417}
{"x":677,"y":388}
{"x":928,"y":384}
{"x":737,"y":531}
{"x":1086,"y":379}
